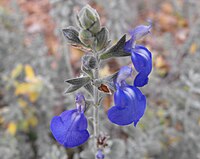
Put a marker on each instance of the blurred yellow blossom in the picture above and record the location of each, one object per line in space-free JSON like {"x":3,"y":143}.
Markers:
{"x":12,"y":128}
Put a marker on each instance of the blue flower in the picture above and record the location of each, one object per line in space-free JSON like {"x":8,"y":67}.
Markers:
{"x":130,"y":103}
{"x":70,"y":127}
{"x":142,"y":61}
{"x":140,"y":55}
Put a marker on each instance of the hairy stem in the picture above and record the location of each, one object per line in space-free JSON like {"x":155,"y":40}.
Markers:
{"x":96,"y":106}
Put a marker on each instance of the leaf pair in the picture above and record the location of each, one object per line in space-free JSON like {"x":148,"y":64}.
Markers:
{"x":76,"y":83}
{"x":85,"y":81}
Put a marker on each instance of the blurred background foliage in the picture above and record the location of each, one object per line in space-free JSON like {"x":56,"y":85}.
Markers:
{"x":35,"y":61}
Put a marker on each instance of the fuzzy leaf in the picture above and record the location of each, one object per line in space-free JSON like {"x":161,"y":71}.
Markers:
{"x":117,"y":50}
{"x":71,"y":35}
{"x":78,"y":81}
{"x":102,"y":38}
{"x":89,"y":62}
{"x":89,"y":88}
{"x":73,"y":88}
{"x":112,"y":77}
{"x":88,"y":72}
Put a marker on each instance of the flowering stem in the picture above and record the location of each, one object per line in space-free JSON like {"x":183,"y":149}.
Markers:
{"x":96,"y":105}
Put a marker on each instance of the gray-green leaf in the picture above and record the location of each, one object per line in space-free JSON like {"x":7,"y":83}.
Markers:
{"x":71,"y":34}
{"x":88,"y":72}
{"x":73,"y":88}
{"x":89,"y":88}
{"x":76,"y":83}
{"x":117,"y":50}
{"x":102,"y":38}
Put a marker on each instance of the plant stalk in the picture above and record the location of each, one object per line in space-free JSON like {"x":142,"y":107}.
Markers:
{"x":96,"y":106}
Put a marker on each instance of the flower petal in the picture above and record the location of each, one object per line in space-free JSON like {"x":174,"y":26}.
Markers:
{"x":123,"y":74}
{"x":121,"y":99}
{"x":134,"y":105}
{"x":121,"y":113}
{"x":81,"y":123}
{"x":140,"y":31}
{"x":142,"y":61}
{"x":130,"y":93}
{"x":141,"y":79}
{"x":76,"y":138}
{"x":74,"y":120}
{"x":138,"y":102}
{"x":140,"y":106}
{"x":70,"y":128}
{"x":141,"y":58}
{"x":58,"y":129}
{"x":68,"y":117}
{"x":120,"y":116}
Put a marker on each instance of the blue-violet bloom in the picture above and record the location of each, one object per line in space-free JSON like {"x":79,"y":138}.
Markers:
{"x":140,"y":55}
{"x":130,"y":103}
{"x":70,"y":127}
{"x":142,"y":61}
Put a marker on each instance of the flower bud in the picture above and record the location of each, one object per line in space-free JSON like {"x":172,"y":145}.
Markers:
{"x":89,"y":19}
{"x":80,"y":102}
{"x":102,"y":39}
{"x":96,"y":27}
{"x":100,"y":154}
{"x":89,"y":62}
{"x":86,"y":37}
